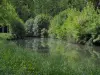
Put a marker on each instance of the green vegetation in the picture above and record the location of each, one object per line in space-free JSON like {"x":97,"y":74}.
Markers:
{"x":41,"y":24}
{"x":56,"y":23}
{"x":29,"y":24}
{"x":75,"y":20}
{"x":4,"y":36}
{"x":9,"y":17}
{"x":80,"y":26}
{"x":18,"y":29}
{"x":38,"y":26}
{"x":32,"y":8}
{"x":15,"y":60}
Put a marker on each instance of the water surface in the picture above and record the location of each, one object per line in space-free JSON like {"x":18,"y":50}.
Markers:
{"x":46,"y":44}
{"x":74,"y":53}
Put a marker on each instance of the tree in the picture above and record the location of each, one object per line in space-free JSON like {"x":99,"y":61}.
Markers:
{"x":41,"y":22}
{"x":96,"y":3}
{"x":25,"y":9}
{"x":5,"y":16}
{"x":9,"y":16}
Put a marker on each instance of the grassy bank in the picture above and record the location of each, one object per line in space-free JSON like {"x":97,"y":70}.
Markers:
{"x":4,"y":36}
{"x":19,"y":61}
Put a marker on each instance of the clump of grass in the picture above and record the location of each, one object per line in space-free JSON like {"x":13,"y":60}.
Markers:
{"x":15,"y":60}
{"x":5,"y":36}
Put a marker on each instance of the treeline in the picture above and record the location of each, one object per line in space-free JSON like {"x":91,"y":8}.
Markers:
{"x":31,"y":8}
{"x":74,"y":19}
{"x":78,"y":26}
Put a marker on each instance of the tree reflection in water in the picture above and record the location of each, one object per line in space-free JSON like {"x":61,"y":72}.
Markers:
{"x":73,"y":52}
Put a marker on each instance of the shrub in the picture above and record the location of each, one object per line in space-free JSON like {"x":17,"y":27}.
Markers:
{"x":29,"y":27}
{"x":89,"y":24}
{"x":70,"y":28}
{"x":40,"y":22}
{"x":80,"y":26}
{"x":17,"y":28}
{"x":56,"y":23}
{"x":44,"y":33}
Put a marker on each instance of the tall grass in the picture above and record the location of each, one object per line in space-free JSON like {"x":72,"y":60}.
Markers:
{"x":5,"y":36}
{"x":15,"y":60}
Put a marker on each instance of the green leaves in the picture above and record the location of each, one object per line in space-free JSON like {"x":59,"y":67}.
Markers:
{"x":41,"y":21}
{"x":7,"y":12}
{"x":77,"y":26}
{"x":29,"y":24}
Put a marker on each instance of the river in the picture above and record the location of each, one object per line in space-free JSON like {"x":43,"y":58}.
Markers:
{"x":46,"y":45}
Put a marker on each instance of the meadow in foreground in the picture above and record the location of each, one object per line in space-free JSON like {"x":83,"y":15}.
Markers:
{"x":15,"y":60}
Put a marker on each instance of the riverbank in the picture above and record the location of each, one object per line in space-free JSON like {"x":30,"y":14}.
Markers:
{"x":23,"y":61}
{"x":9,"y":36}
{"x":5,"y":36}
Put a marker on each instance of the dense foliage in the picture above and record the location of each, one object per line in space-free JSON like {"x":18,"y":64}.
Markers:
{"x":8,"y":16}
{"x":77,"y":21}
{"x":30,"y":8}
{"x":41,"y":25}
{"x":7,"y":12}
{"x":29,"y":24}
{"x":56,"y":23}
{"x":80,"y":26}
{"x":71,"y":18}
{"x":18,"y":29}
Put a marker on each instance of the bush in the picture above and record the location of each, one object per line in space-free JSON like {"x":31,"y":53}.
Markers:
{"x":89,"y":24}
{"x":70,"y":28}
{"x":29,"y":27}
{"x":44,"y":33}
{"x":80,"y":26}
{"x":40,"y":22}
{"x":17,"y":29}
{"x":56,"y":23}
